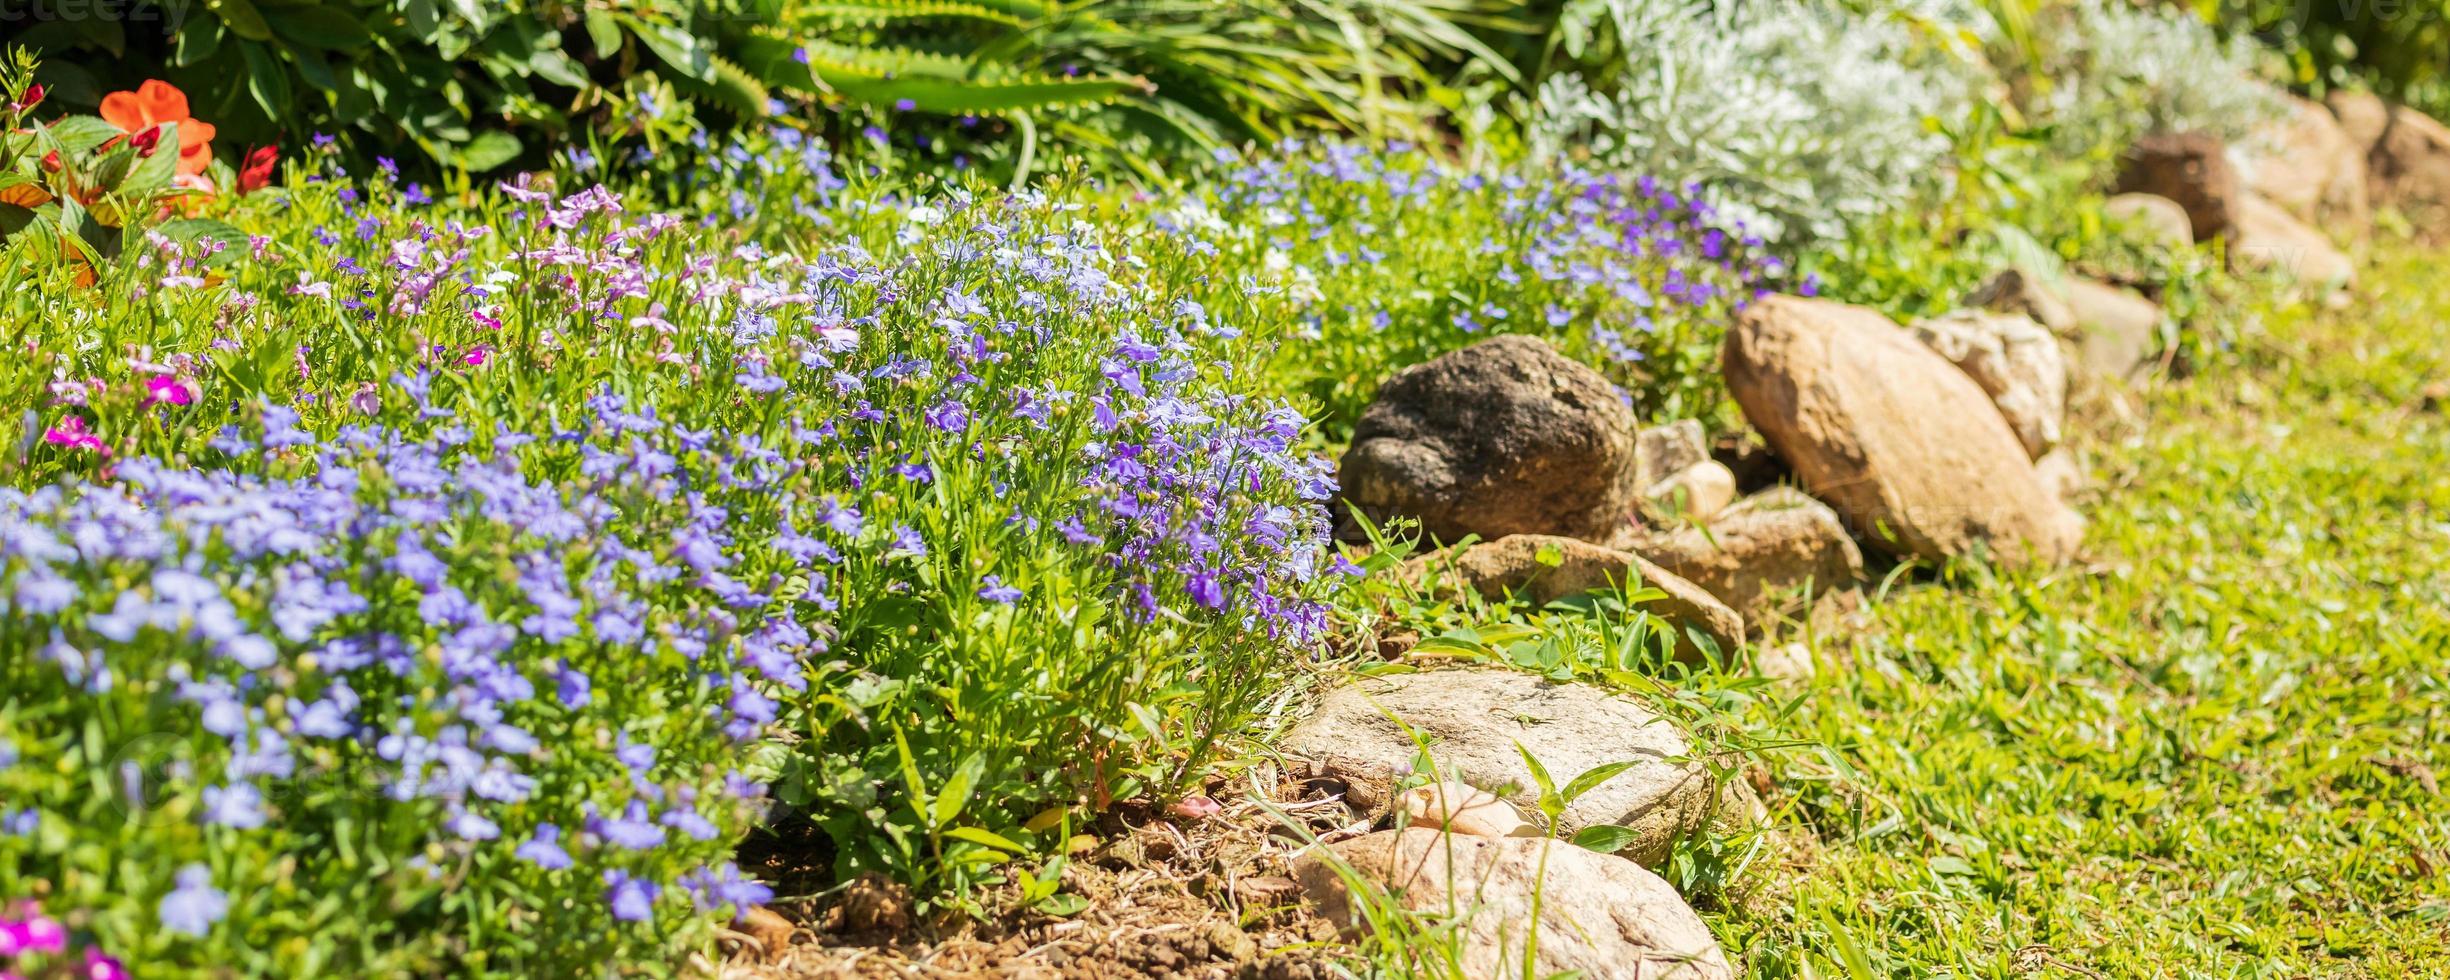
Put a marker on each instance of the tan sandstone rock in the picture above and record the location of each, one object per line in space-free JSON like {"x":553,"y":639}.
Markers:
{"x":1694,"y":494}
{"x":2269,"y":240}
{"x":1596,"y":917}
{"x":1462,"y":808}
{"x":1473,"y":720}
{"x":2407,"y":158}
{"x":2307,"y":164}
{"x":2015,"y":360}
{"x":2108,"y":330}
{"x":2155,"y":219}
{"x":1544,"y":568}
{"x":1903,"y":445}
{"x":1770,"y":554}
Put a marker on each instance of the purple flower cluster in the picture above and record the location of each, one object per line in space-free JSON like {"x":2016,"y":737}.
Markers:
{"x":417,"y":607}
{"x":1391,"y":256}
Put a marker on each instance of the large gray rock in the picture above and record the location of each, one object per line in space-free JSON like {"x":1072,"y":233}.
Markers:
{"x":1544,"y":568}
{"x":2015,"y":360}
{"x":2306,"y":163}
{"x":1596,"y":917}
{"x":1769,"y":555}
{"x":2190,"y":168}
{"x":1474,"y":719}
{"x":1908,"y":449}
{"x":1503,"y":437}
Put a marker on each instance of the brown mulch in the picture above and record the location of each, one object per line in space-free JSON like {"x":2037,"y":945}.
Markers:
{"x":1169,"y":895}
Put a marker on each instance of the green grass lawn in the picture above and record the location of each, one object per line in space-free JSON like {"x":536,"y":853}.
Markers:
{"x":2211,"y":750}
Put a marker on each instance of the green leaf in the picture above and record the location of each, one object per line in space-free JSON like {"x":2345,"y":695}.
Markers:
{"x":1063,"y":906}
{"x":673,"y":45}
{"x":1606,"y":838}
{"x":986,"y":838}
{"x":267,"y":80}
{"x":78,"y":135}
{"x":911,"y":782}
{"x":489,"y":150}
{"x":1592,"y":777}
{"x":318,"y":26}
{"x":205,"y":229}
{"x":956,"y":792}
{"x":242,"y":17}
{"x":1550,"y":804}
{"x":199,"y":39}
{"x":153,"y":173}
{"x":106,"y":33}
{"x":604,"y":33}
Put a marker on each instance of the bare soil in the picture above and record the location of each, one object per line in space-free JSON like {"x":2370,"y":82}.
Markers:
{"x":1169,"y":893}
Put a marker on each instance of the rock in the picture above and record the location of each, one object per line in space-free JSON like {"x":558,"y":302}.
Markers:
{"x":2060,"y":473}
{"x":1503,"y":437}
{"x":1666,"y":450}
{"x":2015,"y":360}
{"x":1596,"y":917}
{"x":1544,"y":568}
{"x":2363,"y":117}
{"x":1785,"y":662}
{"x":1770,"y":554}
{"x":1463,"y":809}
{"x":2191,"y":169}
{"x":1473,"y":719}
{"x":1694,"y":494}
{"x":2307,"y":164}
{"x":2110,"y":330}
{"x":2115,"y":330}
{"x":2270,"y":240}
{"x":2409,"y":169}
{"x":2019,"y":290}
{"x":768,"y":929}
{"x":1906,"y":447}
{"x":2157,"y":220}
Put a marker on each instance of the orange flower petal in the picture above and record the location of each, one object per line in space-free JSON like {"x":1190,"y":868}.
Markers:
{"x":194,"y":132}
{"x":122,"y":109}
{"x":163,"y":100}
{"x":194,"y":159}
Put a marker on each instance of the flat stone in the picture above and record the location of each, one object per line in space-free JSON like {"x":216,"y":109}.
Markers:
{"x":1597,"y":917}
{"x":1473,"y":720}
{"x":1544,"y":568}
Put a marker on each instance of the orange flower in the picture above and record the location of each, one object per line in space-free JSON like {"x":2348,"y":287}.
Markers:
{"x":159,"y":103}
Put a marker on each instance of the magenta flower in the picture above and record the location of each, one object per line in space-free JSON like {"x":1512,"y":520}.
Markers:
{"x":167,"y":389}
{"x":100,"y":967}
{"x":72,"y":433}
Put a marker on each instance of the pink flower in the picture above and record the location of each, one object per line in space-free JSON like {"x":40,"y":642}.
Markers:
{"x":166,"y":389}
{"x":36,"y":934}
{"x":475,"y":356}
{"x":100,"y":967}
{"x":71,"y":432}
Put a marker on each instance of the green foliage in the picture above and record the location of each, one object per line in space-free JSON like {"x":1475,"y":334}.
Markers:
{"x":74,"y":193}
{"x":1129,"y":85}
{"x":2234,"y":701}
{"x":2392,"y":47}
